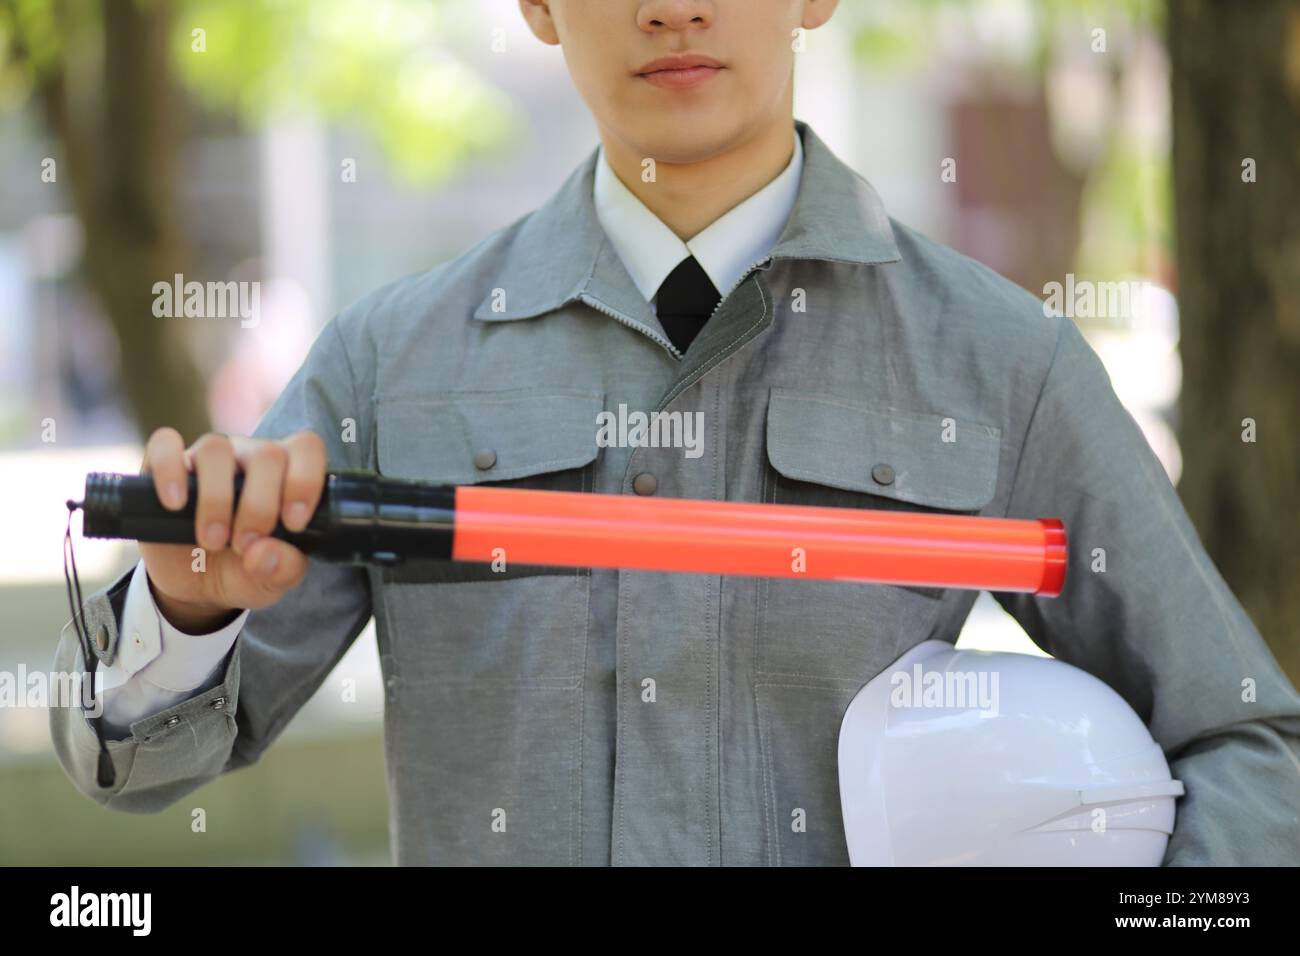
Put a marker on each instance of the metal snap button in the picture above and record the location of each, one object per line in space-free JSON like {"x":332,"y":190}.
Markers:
{"x":218,"y":704}
{"x":883,"y":474}
{"x":645,"y":484}
{"x":171,"y":721}
{"x":484,"y":459}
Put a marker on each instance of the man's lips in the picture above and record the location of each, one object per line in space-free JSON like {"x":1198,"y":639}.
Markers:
{"x":680,"y":72}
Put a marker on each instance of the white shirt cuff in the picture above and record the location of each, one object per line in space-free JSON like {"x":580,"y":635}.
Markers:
{"x":158,"y":665}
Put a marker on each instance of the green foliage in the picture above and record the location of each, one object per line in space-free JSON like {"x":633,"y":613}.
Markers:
{"x":1129,"y":199}
{"x":29,"y":42}
{"x":381,"y":65}
{"x":893,"y":33}
{"x":376,"y":64}
{"x":1127,"y":202}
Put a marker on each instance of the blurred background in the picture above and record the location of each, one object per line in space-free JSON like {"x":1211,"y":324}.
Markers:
{"x":326,"y":147}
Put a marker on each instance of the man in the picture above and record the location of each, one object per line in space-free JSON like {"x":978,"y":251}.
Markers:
{"x":713,"y":259}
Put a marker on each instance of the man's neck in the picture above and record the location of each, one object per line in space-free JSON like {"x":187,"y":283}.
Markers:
{"x":687,"y":197}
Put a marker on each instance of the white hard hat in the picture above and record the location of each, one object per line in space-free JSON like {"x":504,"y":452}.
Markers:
{"x":969,"y":758}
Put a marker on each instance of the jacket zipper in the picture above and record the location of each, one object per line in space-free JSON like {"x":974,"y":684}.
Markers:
{"x":650,"y":333}
{"x":699,"y":373}
{"x":625,"y":320}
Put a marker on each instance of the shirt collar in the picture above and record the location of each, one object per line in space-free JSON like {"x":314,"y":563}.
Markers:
{"x":725,"y":249}
{"x":560,"y":253}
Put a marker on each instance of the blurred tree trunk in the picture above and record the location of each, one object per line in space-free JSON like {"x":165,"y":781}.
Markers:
{"x":116,"y":126}
{"x":1236,"y":96}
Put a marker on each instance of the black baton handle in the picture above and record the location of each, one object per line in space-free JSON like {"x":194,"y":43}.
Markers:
{"x":362,"y":518}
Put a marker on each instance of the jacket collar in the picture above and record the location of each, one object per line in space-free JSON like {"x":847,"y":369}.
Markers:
{"x":560,"y":254}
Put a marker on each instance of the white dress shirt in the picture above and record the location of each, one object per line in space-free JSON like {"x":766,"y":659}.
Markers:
{"x":158,"y":666}
{"x":725,"y":249}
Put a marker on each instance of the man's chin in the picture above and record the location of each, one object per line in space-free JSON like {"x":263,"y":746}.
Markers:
{"x":679,"y":139}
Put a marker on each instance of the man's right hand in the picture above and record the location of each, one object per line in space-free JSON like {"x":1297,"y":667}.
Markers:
{"x":242,"y":567}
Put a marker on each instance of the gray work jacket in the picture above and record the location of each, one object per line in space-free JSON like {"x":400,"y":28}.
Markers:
{"x":596,"y":717}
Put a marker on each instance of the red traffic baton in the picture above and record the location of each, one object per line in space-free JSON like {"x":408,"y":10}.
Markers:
{"x":578,"y":529}
{"x":365,"y":517}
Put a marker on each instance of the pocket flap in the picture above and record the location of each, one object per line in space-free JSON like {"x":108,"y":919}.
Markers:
{"x":463,"y":438}
{"x":883,"y":451}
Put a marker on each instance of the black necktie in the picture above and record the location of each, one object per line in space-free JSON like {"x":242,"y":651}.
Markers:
{"x":685,"y":301}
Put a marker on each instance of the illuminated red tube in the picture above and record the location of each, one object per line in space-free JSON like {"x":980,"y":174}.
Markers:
{"x":577,"y":529}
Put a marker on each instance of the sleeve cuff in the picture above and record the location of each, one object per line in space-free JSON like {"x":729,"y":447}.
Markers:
{"x":161,"y":654}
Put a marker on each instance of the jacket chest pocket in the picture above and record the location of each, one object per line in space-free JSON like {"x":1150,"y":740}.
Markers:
{"x":485,"y":662}
{"x":818,"y":642}
{"x":458,"y":620}
{"x":829,"y":451}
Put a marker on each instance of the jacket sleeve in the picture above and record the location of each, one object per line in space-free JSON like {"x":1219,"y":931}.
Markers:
{"x":281,"y":656}
{"x":1156,"y":621}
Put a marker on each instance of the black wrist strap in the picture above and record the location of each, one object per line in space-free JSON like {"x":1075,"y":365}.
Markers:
{"x":105,"y":774}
